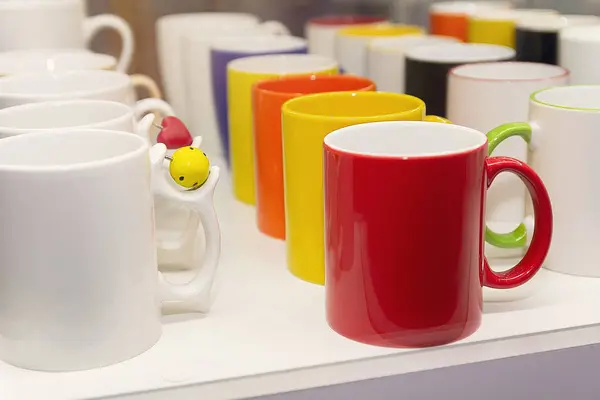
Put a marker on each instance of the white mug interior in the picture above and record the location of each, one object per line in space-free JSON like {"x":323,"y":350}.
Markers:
{"x":280,"y":64}
{"x":69,"y":150}
{"x":33,"y":117}
{"x":456,"y":53}
{"x":405,"y":139}
{"x":509,"y":71}
{"x":576,"y":98}
{"x":56,"y":85}
{"x":259,"y":44}
{"x":31,"y":61}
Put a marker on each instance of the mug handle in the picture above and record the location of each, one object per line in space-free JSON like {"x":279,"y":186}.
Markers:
{"x":93,"y":25}
{"x":435,"y":118}
{"x":542,"y":234}
{"x":275,"y":28}
{"x":518,"y":237}
{"x":152,"y":105}
{"x":145,"y":82}
{"x":195,"y":293}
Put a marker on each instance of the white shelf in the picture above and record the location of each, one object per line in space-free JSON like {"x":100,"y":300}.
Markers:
{"x":267,"y":334}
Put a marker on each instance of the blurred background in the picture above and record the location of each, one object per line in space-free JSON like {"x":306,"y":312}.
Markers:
{"x":142,"y":15}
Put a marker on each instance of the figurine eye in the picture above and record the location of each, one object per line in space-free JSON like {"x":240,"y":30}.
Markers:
{"x":181,"y":178}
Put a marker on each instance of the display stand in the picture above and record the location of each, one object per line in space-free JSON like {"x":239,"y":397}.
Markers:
{"x":267,"y":334}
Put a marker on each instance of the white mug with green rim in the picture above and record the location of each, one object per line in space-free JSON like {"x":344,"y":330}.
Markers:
{"x":563,"y":138}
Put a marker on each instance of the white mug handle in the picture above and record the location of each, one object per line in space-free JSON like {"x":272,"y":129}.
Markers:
{"x":275,"y":28}
{"x":151,"y":105}
{"x":195,"y":293}
{"x":93,"y":25}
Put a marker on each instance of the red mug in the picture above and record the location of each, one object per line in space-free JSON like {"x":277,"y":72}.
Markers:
{"x":404,"y":231}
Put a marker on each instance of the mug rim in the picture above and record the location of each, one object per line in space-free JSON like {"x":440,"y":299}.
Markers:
{"x":288,"y":106}
{"x":553,"y":23}
{"x":34,"y":4}
{"x":380,"y":30}
{"x":345,"y":20}
{"x":466,"y":7}
{"x":399,"y":44}
{"x":11,"y":58}
{"x":455,"y":72}
{"x":126,"y":80}
{"x":264,"y":86}
{"x":496,"y":53}
{"x":13,"y":131}
{"x":479,"y":139}
{"x":533,"y":98}
{"x":279,"y":43}
{"x":141,"y":149}
{"x":240,"y":66}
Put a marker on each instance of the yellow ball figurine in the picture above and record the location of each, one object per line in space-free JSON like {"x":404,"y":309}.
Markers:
{"x":189,"y":167}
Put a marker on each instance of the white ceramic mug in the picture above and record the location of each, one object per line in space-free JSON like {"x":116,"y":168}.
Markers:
{"x":351,"y":43}
{"x":80,"y":286}
{"x":91,"y":84}
{"x":386,"y":59}
{"x":170,"y":30}
{"x":39,"y":24}
{"x":485,"y":95}
{"x":320,"y":31}
{"x":562,"y":134}
{"x":579,"y":51}
{"x":53,"y":60}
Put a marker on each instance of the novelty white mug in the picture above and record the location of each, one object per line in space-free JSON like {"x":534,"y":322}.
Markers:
{"x":42,"y":24}
{"x":79,"y":282}
{"x":484,"y":95}
{"x":90,"y":84}
{"x":170,"y":30}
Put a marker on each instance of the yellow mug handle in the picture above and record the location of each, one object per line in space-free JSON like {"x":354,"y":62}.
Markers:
{"x":435,"y":118}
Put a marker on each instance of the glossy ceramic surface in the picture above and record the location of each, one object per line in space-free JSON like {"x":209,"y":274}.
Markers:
{"x":306,"y":121}
{"x":451,"y":18}
{"x":268,"y":98}
{"x":227,"y":50}
{"x":351,"y":43}
{"x":320,"y":32}
{"x":242,"y":75}
{"x":579,"y":49}
{"x":408,"y":271}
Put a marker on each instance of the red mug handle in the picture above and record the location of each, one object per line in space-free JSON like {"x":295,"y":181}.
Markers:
{"x":542,"y":234}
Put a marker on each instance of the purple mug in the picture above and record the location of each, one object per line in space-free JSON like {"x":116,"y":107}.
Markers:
{"x":228,"y":49}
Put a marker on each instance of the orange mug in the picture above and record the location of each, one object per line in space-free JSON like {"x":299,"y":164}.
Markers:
{"x":268,"y":97}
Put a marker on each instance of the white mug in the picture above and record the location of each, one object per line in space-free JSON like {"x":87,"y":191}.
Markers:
{"x":484,"y":95}
{"x":386,"y":59}
{"x":562,"y":134}
{"x":53,"y":60}
{"x":170,"y":30}
{"x":579,"y":51}
{"x":78,"y":269}
{"x":320,"y":31}
{"x":91,"y":84}
{"x":200,"y":104}
{"x":40,"y":24}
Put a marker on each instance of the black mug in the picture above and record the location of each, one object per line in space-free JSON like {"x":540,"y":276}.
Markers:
{"x":427,"y":67}
{"x":537,"y":37}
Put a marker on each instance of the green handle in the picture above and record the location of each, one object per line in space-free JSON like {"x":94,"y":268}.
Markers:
{"x":518,"y":237}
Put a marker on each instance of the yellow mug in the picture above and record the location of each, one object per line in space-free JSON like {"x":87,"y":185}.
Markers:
{"x":242,"y":75}
{"x":306,"y":120}
{"x":499,"y":26}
